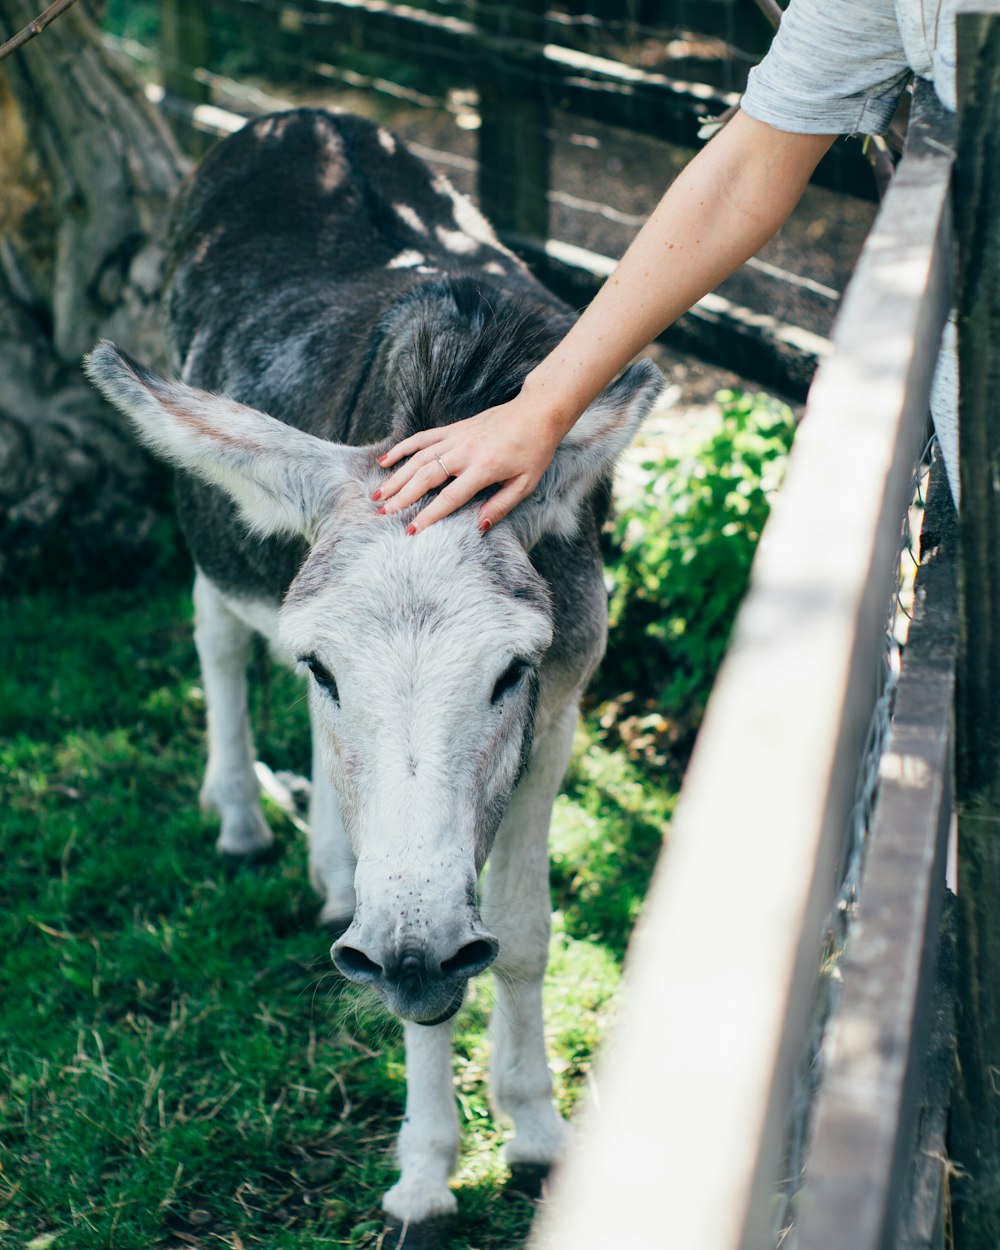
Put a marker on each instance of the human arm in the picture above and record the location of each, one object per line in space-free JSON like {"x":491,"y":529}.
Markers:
{"x":716,"y":214}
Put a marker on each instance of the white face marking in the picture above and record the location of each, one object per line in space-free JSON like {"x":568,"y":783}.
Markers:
{"x":416,"y":634}
{"x":408,"y":215}
{"x":456,"y":241}
{"x":406,"y":259}
{"x":493,"y":266}
{"x":421,"y":712}
{"x":387,"y":140}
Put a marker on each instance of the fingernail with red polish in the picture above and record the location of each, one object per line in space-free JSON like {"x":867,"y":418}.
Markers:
{"x":380,"y":511}
{"x":411,"y":529}
{"x":377,"y":495}
{"x":385,"y":457}
{"x":484,"y":526}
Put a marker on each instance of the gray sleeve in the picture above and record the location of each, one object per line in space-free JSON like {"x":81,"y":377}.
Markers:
{"x":834,"y":67}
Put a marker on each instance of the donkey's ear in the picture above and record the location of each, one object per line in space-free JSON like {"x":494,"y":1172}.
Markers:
{"x":587,"y":455}
{"x":281,"y":478}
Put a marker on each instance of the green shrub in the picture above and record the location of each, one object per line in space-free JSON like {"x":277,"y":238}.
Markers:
{"x":681,"y":558}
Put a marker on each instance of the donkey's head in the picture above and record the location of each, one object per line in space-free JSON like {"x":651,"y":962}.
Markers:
{"x":424,"y":656}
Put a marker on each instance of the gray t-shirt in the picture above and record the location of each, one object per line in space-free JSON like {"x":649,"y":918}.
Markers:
{"x":840,"y":66}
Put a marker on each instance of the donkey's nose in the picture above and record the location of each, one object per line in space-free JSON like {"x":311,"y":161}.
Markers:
{"x":355,"y":964}
{"x":414,"y":966}
{"x":473,"y":957}
{"x":414,"y":981}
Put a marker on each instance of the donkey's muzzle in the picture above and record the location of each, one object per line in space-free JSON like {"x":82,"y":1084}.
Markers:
{"x":415,"y":982}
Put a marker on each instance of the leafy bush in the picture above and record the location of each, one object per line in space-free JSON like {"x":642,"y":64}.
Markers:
{"x":681,"y":558}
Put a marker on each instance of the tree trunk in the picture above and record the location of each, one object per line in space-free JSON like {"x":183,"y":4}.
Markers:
{"x":87,"y":172}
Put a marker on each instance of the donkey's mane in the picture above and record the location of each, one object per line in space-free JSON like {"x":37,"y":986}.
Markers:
{"x":463,"y":344}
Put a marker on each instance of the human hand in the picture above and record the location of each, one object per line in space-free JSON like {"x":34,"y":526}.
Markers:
{"x":509,"y":445}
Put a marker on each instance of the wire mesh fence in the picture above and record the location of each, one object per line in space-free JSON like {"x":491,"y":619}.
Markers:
{"x":842,"y":919}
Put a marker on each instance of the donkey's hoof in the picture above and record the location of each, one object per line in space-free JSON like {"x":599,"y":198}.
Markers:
{"x":429,"y":1234}
{"x":249,"y":861}
{"x":528,"y":1179}
{"x":244,"y":833}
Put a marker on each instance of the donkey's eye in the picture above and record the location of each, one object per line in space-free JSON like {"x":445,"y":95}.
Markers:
{"x":324,"y":677}
{"x":511,"y":677}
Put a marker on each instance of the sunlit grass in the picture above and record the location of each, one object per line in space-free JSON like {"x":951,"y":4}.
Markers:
{"x":178,"y":1063}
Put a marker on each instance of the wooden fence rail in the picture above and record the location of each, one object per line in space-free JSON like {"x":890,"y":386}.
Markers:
{"x":696,"y":1085}
{"x":485,"y":53}
{"x":866,"y":1136}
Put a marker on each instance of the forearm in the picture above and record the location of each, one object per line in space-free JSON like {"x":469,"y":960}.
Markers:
{"x":717,"y":213}
{"x":728,"y":202}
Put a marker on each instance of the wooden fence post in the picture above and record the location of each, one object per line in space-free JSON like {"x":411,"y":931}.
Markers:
{"x":697,"y":1082}
{"x":975,"y":1144}
{"x":184,"y":48}
{"x":514,"y":144}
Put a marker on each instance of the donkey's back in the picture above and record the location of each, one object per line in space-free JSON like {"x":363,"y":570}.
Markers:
{"x":322,"y":273}
{"x":293,"y":240}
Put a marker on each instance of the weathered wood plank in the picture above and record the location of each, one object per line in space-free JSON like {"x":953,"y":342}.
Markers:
{"x":762,"y":349}
{"x":514,"y":144}
{"x":862,"y":1149}
{"x":722,"y":19}
{"x":976,"y":1140}
{"x":755,"y":345}
{"x":184,"y":48}
{"x":590,"y":86}
{"x":925,"y":1206}
{"x":695,"y":1085}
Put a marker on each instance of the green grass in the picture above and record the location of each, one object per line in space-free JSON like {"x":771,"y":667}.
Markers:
{"x":178,"y":1064}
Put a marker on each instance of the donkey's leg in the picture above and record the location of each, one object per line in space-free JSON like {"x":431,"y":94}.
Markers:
{"x":428,"y":1140}
{"x":331,"y":860}
{"x":516,"y":907}
{"x":230,"y":787}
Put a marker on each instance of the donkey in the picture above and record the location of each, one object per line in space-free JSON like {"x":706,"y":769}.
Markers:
{"x":328,"y":295}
